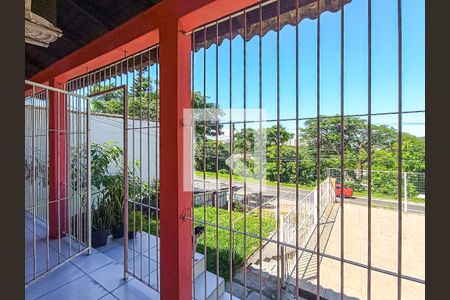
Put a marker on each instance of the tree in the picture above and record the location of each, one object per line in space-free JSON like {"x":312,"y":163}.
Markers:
{"x":210,"y":156}
{"x":204,"y":110}
{"x":251,"y":136}
{"x":142,"y":100}
{"x":271,"y":134}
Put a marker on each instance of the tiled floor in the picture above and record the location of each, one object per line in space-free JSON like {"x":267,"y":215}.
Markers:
{"x":98,"y":275}
{"x":49,"y":253}
{"x":94,"y":276}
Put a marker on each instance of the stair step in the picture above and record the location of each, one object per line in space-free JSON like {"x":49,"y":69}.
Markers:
{"x":200,"y":264}
{"x":227,"y":296}
{"x":212,"y":290}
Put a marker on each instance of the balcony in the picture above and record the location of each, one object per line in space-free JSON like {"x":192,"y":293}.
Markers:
{"x":229,"y":150}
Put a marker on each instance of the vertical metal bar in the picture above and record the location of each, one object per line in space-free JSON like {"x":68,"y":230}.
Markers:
{"x":74,"y":161}
{"x":125,"y":173}
{"x":148,"y":170}
{"x":71,"y":175}
{"x":69,"y":165}
{"x":80,"y":160}
{"x":399,"y":158}
{"x":405,"y":188}
{"x":260,"y":150}
{"x":230,"y":204}
{"x":88,"y":166}
{"x":342,"y":150}
{"x":133,"y":116}
{"x":140,"y":160}
{"x":58,"y":137}
{"x":245,"y":152}
{"x":193,"y":202}
{"x":156,"y":159}
{"x":45,"y":182}
{"x":82,"y":176}
{"x":297,"y":175}
{"x":116,"y":75}
{"x":204,"y":153}
{"x":318,"y":154}
{"x":110,"y":85}
{"x":217,"y":159}
{"x":79,"y":190}
{"x":278,"y":154}
{"x":369,"y":148}
{"x":33,"y":173}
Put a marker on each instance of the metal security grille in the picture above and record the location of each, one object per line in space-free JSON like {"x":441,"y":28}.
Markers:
{"x":57,"y":201}
{"x":273,"y":235}
{"x":125,"y":98}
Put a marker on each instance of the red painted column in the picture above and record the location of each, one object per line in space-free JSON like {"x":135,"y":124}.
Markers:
{"x":175,"y":233}
{"x":58,"y":155}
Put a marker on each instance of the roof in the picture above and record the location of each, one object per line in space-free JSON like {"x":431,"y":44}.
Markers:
{"x":81,"y":21}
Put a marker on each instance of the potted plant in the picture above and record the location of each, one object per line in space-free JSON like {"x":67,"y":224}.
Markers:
{"x":115,"y":194}
{"x":101,"y":221}
{"x":107,"y":179}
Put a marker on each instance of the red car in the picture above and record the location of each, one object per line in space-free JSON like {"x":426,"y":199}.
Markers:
{"x":348,"y":192}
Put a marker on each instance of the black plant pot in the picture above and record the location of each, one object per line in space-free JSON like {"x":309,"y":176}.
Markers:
{"x":117,"y":231}
{"x":130,"y":235}
{"x":99,"y":238}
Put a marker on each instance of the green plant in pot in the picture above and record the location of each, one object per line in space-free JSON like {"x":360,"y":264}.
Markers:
{"x":101,"y":221}
{"x":115,"y":194}
{"x":107,"y":179}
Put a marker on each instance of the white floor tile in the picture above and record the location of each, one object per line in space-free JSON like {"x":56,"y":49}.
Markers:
{"x":135,"y":263}
{"x":83,"y":288}
{"x":108,"y":297}
{"x":55,"y":279}
{"x":89,"y":263}
{"x":110,"y":276}
{"x":135,"y":290}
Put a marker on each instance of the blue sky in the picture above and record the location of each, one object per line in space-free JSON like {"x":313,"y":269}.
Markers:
{"x":384,"y":66}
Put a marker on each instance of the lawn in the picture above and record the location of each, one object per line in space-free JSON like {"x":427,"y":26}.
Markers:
{"x":252,"y":220}
{"x":387,"y":197}
{"x":240,"y":179}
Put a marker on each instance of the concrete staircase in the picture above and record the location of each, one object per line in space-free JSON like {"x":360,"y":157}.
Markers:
{"x":215,"y":285}
{"x":205,"y":286}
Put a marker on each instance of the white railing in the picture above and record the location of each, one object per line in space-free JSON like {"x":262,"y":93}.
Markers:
{"x":307,"y":223}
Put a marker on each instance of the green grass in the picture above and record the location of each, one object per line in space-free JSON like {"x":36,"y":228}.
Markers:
{"x":223,"y":237}
{"x":240,"y":179}
{"x":252,"y":219}
{"x":134,"y":219}
{"x":387,"y":197}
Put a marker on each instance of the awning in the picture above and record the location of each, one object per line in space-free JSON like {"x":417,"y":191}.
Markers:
{"x":306,"y":9}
